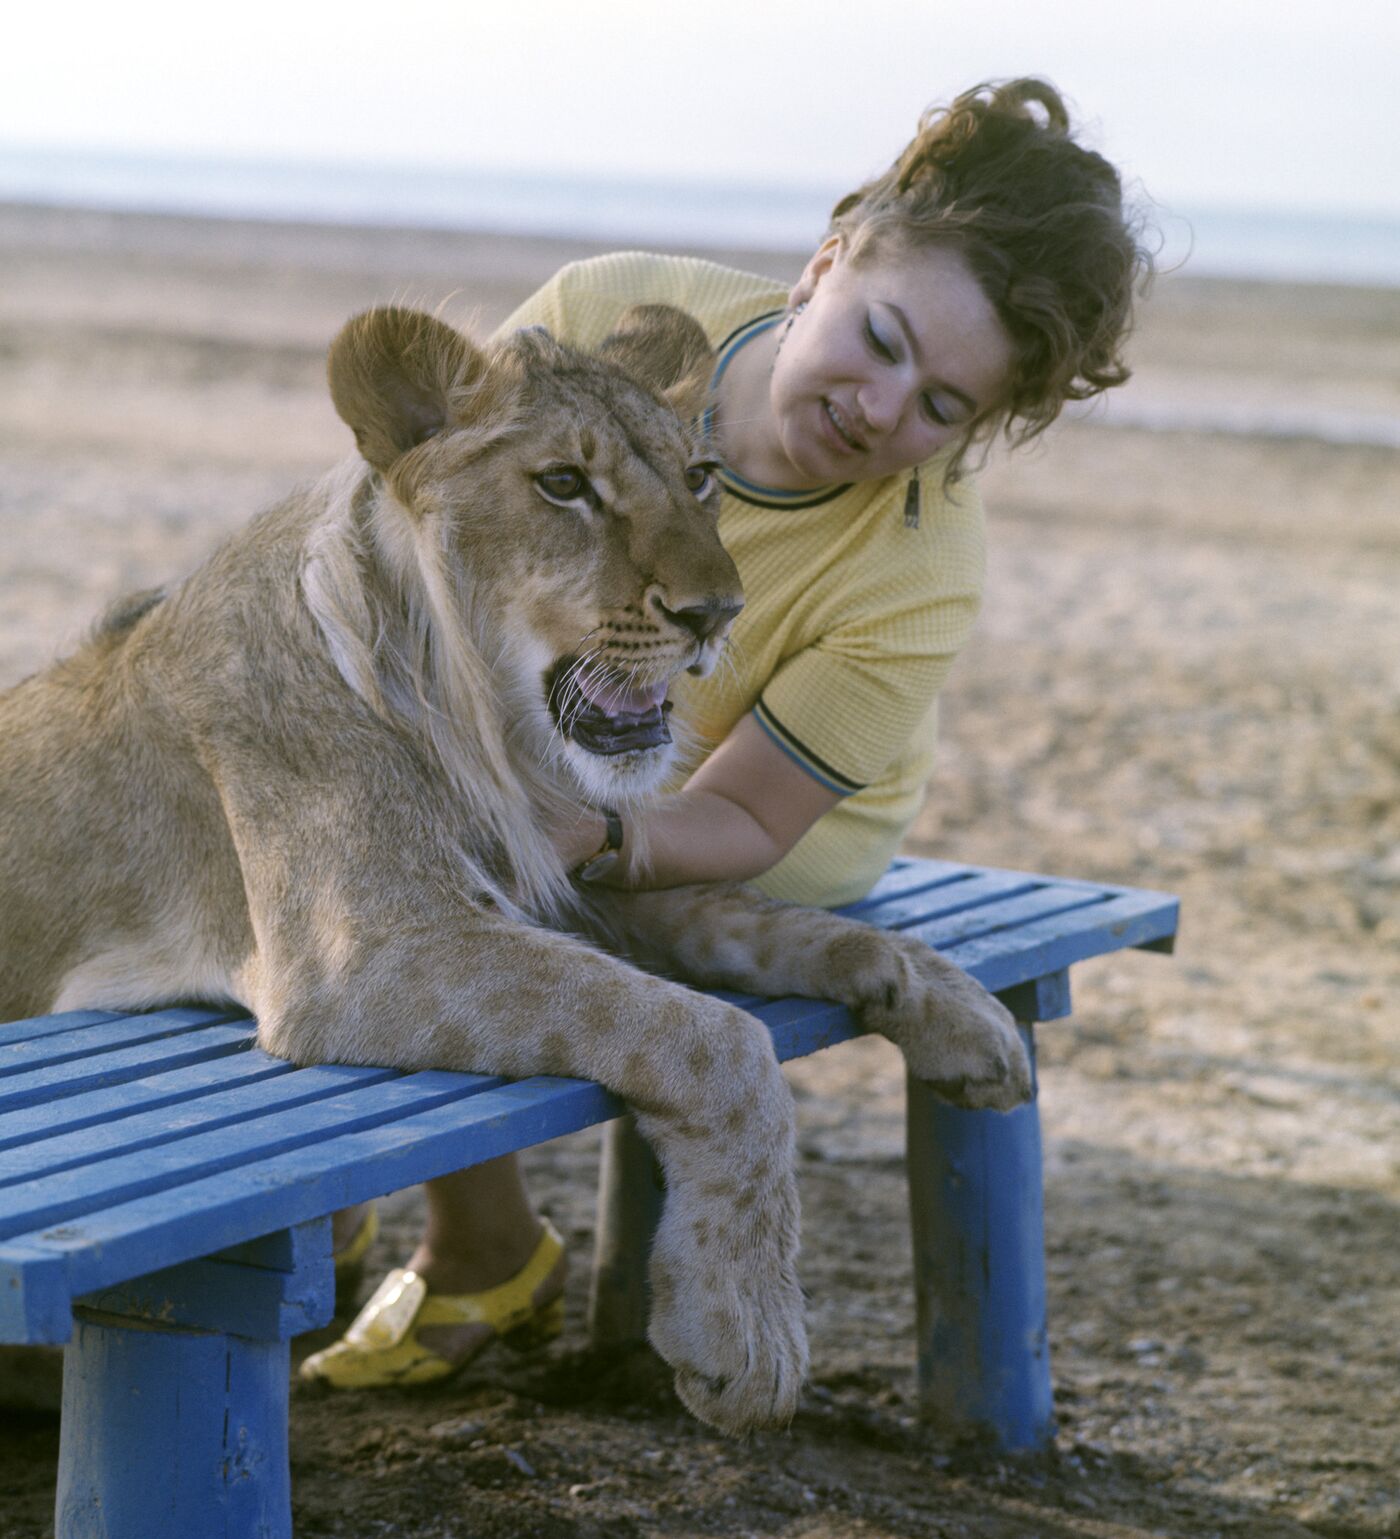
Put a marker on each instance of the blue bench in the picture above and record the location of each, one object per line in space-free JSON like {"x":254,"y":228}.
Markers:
{"x":165,"y":1186}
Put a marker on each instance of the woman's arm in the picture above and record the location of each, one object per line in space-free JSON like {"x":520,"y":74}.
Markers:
{"x":737,"y":816}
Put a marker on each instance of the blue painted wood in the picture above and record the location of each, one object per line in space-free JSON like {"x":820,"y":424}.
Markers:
{"x":1042,"y":999}
{"x":1039,"y":878}
{"x":35,"y":1298}
{"x":171,"y":1434}
{"x":1048,"y":945}
{"x":979,"y":1270}
{"x":207,"y":1114}
{"x":68,"y":1194}
{"x":48,"y":1025}
{"x":227,"y":1296}
{"x":82,"y":1042}
{"x":1006,"y":917}
{"x":170,"y":1226}
{"x":55,"y":1081}
{"x":797,"y":1025}
{"x":630,"y":1198}
{"x":973,"y":893}
{"x":804,"y":1026}
{"x":906,"y":875}
{"x":284,"y":1250}
{"x":110,"y":1105}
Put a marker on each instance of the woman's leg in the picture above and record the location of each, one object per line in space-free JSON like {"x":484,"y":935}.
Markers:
{"x":345,"y":1224}
{"x":480,"y":1231}
{"x":481,"y":1235}
{"x":481,"y":1228}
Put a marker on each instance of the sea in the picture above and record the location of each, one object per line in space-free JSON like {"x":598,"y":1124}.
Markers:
{"x":1273,"y":244}
{"x":1265,"y":244}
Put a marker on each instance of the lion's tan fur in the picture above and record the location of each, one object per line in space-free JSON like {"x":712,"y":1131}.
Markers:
{"x":319,"y":775}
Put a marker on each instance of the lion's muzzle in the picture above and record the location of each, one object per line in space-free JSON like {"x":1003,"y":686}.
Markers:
{"x":604,"y":714}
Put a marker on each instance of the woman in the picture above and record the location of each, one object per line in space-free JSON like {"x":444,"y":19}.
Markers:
{"x":980,"y":283}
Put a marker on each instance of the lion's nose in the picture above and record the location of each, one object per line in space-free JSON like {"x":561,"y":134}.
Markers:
{"x":701,"y":620}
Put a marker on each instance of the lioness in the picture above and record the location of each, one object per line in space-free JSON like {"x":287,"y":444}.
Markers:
{"x":318,"y":775}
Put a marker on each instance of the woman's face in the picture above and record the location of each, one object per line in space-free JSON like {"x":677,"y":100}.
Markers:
{"x":890,"y":361}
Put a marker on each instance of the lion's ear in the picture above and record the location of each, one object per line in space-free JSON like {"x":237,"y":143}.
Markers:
{"x":666,"y":349}
{"x":398,"y":376}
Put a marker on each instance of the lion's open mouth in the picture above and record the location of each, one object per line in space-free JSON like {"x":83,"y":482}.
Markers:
{"x":604,"y":714}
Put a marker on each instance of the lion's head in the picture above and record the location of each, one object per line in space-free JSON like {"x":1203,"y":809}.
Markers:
{"x":535,"y":548}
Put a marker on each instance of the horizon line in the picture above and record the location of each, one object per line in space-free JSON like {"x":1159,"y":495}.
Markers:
{"x":772,"y":184}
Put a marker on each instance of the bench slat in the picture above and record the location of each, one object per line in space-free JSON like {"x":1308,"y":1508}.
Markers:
{"x":218,"y":1211}
{"x":1039,"y":878}
{"x":184,"y":1120}
{"x":898,"y":913}
{"x":919,"y":906}
{"x":1051,"y":944}
{"x":56,"y":1081}
{"x":66,"y":1195}
{"x":46,"y":1025}
{"x":1062,"y":922}
{"x":1003,"y":923}
{"x":166,"y":1225}
{"x":802,"y":1026}
{"x":906,"y":876}
{"x":118,"y":1031}
{"x":111,"y":1104}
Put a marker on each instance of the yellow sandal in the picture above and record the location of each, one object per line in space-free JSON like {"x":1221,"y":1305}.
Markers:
{"x":350,"y":1262}
{"x":381,"y":1347}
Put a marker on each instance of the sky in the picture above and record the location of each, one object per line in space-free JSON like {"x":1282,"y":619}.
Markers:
{"x":1236,"y":102}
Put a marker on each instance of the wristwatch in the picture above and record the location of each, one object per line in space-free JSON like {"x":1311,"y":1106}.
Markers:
{"x":608,"y":857}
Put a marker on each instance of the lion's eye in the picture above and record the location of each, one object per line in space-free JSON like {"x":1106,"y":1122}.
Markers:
{"x":700,"y":479}
{"x":565,"y":483}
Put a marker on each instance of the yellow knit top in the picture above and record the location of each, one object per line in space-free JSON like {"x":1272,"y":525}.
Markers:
{"x":858,"y":598}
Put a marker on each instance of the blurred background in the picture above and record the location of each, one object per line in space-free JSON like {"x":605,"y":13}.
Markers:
{"x":1186,"y":675}
{"x":1263,"y":128}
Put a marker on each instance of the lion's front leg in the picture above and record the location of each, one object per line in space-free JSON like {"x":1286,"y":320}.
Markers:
{"x":492,"y":996}
{"x":953,"y":1033}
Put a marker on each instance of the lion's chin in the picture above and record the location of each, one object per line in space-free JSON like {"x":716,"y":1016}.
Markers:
{"x":624,"y":776}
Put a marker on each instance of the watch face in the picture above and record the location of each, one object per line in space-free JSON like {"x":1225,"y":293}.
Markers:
{"x":600,"y":865}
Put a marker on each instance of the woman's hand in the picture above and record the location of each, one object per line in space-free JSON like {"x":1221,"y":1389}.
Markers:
{"x":737,"y":816}
{"x":580,"y":838}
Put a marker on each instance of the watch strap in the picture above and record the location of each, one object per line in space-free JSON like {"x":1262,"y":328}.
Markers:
{"x":608,"y":857}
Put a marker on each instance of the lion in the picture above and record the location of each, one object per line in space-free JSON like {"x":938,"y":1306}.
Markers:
{"x":317,"y":777}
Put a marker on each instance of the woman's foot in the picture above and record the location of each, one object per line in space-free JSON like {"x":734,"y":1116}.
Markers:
{"x":423,"y":1326}
{"x":477,"y":1272}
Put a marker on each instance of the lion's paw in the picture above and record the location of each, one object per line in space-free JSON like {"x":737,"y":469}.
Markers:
{"x":961,"y":1040}
{"x":732,"y":1330}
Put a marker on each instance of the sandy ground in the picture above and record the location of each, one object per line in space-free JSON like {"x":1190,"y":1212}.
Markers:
{"x":1186,"y":677}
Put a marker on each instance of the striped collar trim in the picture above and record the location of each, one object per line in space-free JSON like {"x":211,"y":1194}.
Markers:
{"x":735,"y":484}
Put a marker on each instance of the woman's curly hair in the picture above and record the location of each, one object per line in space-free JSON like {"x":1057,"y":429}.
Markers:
{"x":1041,"y":222}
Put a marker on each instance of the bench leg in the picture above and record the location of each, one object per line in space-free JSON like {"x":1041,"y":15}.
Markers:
{"x":629,"y":1205}
{"x":975,"y":1198}
{"x":167,"y":1434}
{"x":175,"y":1390}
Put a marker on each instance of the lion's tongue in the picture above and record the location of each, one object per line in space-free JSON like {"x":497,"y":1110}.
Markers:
{"x":620,"y":700}
{"x":621,"y":718}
